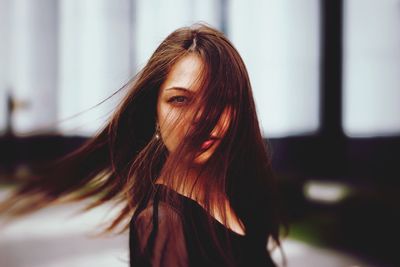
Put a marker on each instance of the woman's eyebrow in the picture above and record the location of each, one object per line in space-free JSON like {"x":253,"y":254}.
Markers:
{"x":179,"y":89}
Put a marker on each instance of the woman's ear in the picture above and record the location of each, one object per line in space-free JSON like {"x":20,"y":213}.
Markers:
{"x":157,"y":130}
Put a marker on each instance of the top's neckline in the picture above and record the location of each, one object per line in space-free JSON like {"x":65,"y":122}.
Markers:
{"x":201,"y":207}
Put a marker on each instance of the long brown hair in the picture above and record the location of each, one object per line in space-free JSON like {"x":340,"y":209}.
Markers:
{"x":121,"y":162}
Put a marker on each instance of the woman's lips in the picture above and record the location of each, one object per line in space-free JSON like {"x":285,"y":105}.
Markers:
{"x":208,"y":143}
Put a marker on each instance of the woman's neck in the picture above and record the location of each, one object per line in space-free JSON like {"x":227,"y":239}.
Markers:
{"x":189,"y":187}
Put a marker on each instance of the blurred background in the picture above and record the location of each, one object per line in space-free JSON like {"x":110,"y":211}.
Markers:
{"x":326,"y":80}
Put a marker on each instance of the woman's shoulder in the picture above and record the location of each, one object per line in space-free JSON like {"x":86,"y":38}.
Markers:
{"x":160,"y":211}
{"x":157,"y":217}
{"x":158,"y":236}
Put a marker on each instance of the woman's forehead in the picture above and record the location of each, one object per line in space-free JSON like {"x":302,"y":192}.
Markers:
{"x":185,"y":74}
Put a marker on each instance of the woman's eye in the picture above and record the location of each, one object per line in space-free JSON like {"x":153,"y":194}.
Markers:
{"x":178,"y":100}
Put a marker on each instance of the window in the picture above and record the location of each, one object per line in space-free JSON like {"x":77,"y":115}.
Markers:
{"x":371,"y":77}
{"x":279,"y":41}
{"x":95,"y":59}
{"x":69,"y":55}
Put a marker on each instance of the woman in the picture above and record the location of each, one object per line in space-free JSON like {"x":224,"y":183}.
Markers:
{"x":185,"y":155}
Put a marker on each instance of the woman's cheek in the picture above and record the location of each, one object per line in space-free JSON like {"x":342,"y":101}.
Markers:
{"x":171,"y":137}
{"x":169,"y":140}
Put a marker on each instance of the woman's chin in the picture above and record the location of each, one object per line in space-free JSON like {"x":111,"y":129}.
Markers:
{"x":203,"y":157}
{"x":200,"y":160}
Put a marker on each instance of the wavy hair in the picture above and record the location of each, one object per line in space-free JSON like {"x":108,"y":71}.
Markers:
{"x":123,"y":160}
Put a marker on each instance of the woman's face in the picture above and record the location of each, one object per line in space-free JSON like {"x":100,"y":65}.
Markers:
{"x":174,"y":113}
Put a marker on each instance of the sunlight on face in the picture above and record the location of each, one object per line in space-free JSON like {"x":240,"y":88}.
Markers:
{"x":173,"y":113}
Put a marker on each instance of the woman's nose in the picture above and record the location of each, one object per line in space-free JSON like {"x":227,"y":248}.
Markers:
{"x":198,"y":115}
{"x":222,"y":124}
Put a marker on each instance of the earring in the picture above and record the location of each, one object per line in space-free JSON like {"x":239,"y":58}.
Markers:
{"x":157,"y":135}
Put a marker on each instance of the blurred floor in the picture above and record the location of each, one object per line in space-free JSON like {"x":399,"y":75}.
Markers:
{"x":54,"y":238}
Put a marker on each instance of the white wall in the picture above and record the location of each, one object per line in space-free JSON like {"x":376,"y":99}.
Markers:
{"x":5,"y":45}
{"x":33,"y":62}
{"x":62,"y":57}
{"x":96,"y":55}
{"x":158,"y":18}
{"x":371,"y":68}
{"x":279,"y":42}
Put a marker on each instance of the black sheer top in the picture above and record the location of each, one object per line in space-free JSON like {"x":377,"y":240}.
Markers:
{"x":162,"y":235}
